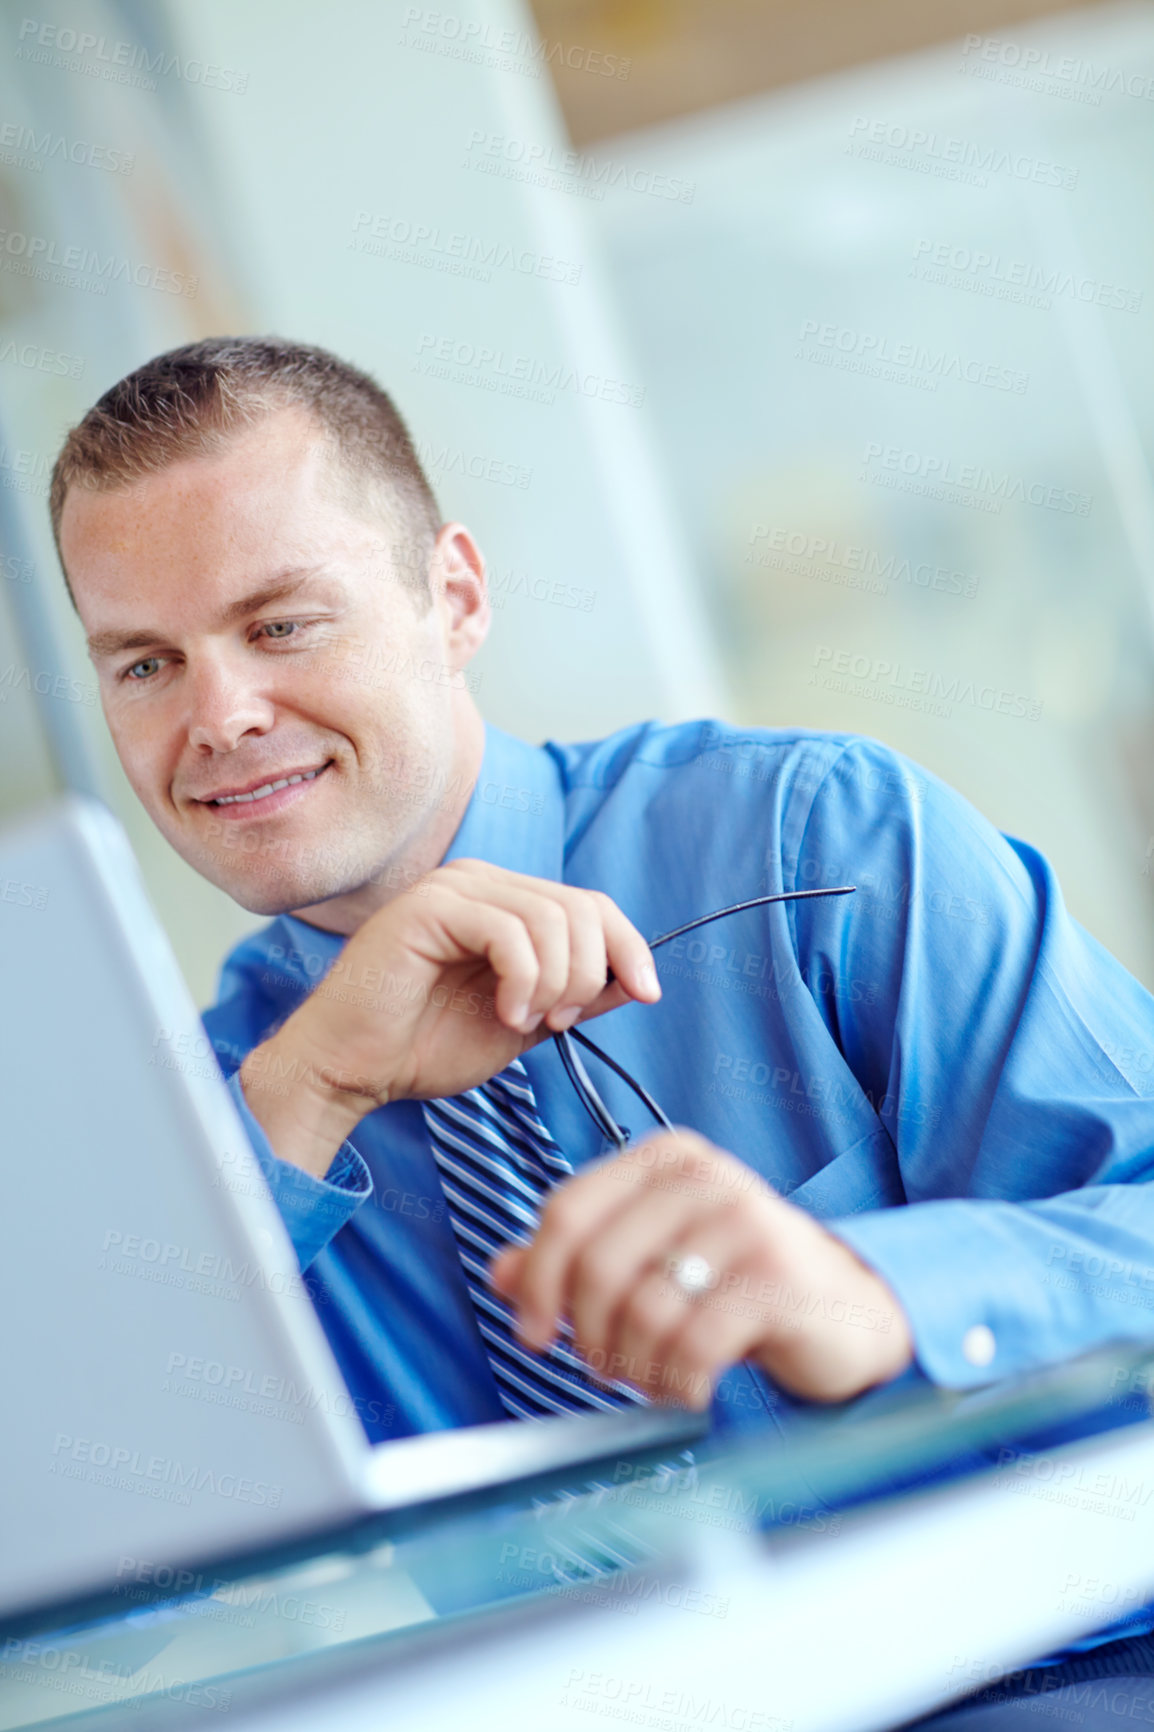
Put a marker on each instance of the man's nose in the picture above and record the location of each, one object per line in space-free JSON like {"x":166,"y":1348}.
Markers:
{"x":224,"y":706}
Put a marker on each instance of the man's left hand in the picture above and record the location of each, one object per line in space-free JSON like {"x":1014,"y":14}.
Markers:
{"x":781,"y":1290}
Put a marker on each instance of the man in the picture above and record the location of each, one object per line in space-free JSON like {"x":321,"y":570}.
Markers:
{"x":916,"y":1115}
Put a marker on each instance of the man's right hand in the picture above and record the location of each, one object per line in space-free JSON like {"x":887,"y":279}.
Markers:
{"x":435,"y":993}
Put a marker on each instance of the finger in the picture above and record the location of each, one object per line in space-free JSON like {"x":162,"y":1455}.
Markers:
{"x":615,"y":1260}
{"x":575,"y":1212}
{"x":684,"y":1339}
{"x":549,"y":924}
{"x":588,"y":961}
{"x":564,"y":925}
{"x":723,"y":1322}
{"x":714,"y":1335}
{"x":505,"y":1271}
{"x":627,"y":952}
{"x":648,"y":1326}
{"x":661,"y":1200}
{"x":630,"y":957}
{"x":463,"y":926}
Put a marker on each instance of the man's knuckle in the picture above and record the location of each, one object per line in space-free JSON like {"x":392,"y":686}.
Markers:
{"x":596,"y":1267}
{"x":551,"y":917}
{"x":645,"y":1312}
{"x":586,"y":980}
{"x":696,"y":1347}
{"x":561,"y":1213}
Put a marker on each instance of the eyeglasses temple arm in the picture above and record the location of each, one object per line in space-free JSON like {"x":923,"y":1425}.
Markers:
{"x":642,"y":1094}
{"x":737,"y":908}
{"x":583,"y":1084}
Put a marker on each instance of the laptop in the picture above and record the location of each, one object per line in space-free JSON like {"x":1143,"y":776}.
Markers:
{"x":170,"y":1397}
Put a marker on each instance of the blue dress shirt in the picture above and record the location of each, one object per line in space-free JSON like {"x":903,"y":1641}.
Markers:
{"x":943,"y":1067}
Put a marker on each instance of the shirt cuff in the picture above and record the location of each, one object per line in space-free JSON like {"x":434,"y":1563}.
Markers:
{"x":970,"y":1291}
{"x":313,"y":1209}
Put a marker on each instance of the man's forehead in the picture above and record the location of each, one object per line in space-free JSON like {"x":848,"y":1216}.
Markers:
{"x":137,"y":628}
{"x":135,"y":552}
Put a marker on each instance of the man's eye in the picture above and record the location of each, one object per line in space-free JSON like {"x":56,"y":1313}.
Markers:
{"x":149,"y":662}
{"x":281,"y":628}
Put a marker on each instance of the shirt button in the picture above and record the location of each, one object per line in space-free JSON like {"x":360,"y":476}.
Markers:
{"x":978,"y":1345}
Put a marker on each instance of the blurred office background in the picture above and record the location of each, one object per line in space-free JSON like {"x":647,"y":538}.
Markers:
{"x":837,"y":322}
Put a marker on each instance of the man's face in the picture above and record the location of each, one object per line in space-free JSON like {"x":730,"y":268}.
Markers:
{"x":246,"y":627}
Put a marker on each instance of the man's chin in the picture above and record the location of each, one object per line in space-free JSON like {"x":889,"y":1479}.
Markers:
{"x":266,"y":875}
{"x":268,"y":892}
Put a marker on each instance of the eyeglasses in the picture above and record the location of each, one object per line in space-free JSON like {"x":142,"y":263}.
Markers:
{"x":568,"y":1039}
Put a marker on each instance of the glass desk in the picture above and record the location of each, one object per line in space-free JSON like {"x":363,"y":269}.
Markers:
{"x":621,"y":1539}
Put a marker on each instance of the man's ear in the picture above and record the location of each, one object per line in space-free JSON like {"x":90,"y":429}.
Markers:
{"x":457,"y":581}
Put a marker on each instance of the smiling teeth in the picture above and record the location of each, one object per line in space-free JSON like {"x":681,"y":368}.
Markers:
{"x":269,"y":788}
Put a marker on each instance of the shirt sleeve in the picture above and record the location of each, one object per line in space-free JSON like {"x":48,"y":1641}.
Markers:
{"x":313,"y":1209}
{"x":1010,"y":1059}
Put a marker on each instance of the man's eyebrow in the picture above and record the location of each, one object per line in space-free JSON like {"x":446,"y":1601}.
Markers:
{"x":110,"y":643}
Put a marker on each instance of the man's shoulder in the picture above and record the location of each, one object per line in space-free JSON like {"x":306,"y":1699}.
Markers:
{"x":797,"y":759}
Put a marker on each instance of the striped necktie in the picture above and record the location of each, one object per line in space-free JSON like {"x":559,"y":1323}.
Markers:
{"x":498,"y":1162}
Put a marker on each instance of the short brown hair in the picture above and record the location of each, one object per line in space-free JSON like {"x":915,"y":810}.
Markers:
{"x":191,"y":401}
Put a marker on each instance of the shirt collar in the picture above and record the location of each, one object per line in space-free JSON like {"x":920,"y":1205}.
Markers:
{"x":515,"y":818}
{"x":516,"y":814}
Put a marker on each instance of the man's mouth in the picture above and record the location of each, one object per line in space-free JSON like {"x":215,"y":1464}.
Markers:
{"x":264,"y":790}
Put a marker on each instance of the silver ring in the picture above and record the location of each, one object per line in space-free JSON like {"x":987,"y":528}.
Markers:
{"x":693,"y":1274}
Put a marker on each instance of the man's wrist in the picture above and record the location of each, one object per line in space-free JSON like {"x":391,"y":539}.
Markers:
{"x":306,"y":1108}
